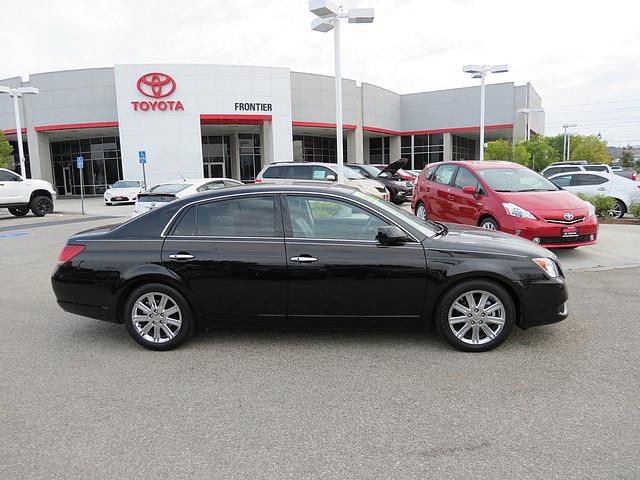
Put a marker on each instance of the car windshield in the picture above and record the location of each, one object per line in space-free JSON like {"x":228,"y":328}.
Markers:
{"x":125,"y":184}
{"x":351,"y":174}
{"x":516,"y":180}
{"x":170,"y":187}
{"x":429,"y":229}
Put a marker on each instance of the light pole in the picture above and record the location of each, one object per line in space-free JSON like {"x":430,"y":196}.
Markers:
{"x":329,"y":15}
{"x":17,"y":93}
{"x":527,"y":111}
{"x":567,"y":141}
{"x":480,"y":71}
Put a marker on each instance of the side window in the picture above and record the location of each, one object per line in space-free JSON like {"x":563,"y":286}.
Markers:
{"x":429,"y":173}
{"x":211,"y":186}
{"x":553,"y":171}
{"x":562,"y":181}
{"x":320,"y":173}
{"x":253,"y":216}
{"x":589,"y":180}
{"x":6,"y":176}
{"x":444,"y":174}
{"x":570,"y":169}
{"x":274,"y":172}
{"x":298,"y":172}
{"x":464,"y":177}
{"x":595,"y":168}
{"x":325,"y":218}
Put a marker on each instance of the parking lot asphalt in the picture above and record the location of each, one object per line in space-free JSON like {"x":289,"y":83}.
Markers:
{"x":80,"y":399}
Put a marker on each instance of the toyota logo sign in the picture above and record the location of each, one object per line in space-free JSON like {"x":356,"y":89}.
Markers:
{"x":156,"y":85}
{"x":568,"y":216}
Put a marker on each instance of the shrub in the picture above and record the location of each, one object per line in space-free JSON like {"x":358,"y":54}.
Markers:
{"x":602,"y":204}
{"x":634,"y":209}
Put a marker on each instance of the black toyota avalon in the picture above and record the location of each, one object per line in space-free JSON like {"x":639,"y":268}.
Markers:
{"x":305,"y":252}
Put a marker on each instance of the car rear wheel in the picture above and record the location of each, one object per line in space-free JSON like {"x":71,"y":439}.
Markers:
{"x":476,"y":315}
{"x":489,"y":223}
{"x":421,"y":211}
{"x":618,"y":210}
{"x":158,"y":317}
{"x":19,"y":211}
{"x":40,"y":206}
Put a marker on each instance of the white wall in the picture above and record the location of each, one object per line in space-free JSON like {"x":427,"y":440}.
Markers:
{"x":172,"y":138}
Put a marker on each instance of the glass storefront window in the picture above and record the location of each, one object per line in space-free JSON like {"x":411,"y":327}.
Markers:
{"x":250,"y":157}
{"x":422,"y":149}
{"x":216,"y":156}
{"x":102,"y":165}
{"x":309,"y":148}
{"x":379,"y":150}
{"x":16,"y":158}
{"x":463,"y":148}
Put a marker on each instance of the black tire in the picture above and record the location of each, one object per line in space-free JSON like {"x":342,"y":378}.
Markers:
{"x":108,"y":204}
{"x":489,"y":223}
{"x":19,"y":211}
{"x":185,"y":330}
{"x":446,"y":305}
{"x":40,"y":206}
{"x":426,"y":214}
{"x":618,"y":210}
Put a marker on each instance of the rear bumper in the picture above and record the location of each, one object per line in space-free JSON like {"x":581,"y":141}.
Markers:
{"x":91,"y":311}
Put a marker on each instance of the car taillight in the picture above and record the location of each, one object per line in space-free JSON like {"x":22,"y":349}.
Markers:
{"x":634,"y":176}
{"x":69,"y":252}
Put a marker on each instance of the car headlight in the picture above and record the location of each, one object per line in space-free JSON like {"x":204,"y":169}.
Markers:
{"x":517,"y":211}
{"x":591,"y":208}
{"x":548,"y":265}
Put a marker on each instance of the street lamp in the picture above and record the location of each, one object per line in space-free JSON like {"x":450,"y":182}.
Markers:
{"x":566,"y":145}
{"x":527,"y":111}
{"x":480,"y":71}
{"x":329,"y":15}
{"x":17,"y":93}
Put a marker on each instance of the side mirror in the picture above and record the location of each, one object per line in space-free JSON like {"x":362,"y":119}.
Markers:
{"x":391,"y":235}
{"x":330,"y":177}
{"x":469,"y":189}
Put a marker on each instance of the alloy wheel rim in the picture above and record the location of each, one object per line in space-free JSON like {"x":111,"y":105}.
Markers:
{"x":156,"y":317}
{"x":616,"y":211}
{"x":489,"y":226}
{"x":422,"y":212}
{"x":476,"y":317}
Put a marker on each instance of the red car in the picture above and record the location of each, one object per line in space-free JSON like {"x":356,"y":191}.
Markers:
{"x":504,"y":196}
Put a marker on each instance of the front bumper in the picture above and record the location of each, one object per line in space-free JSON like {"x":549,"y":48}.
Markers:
{"x":553,"y":235}
{"x":543,"y":303}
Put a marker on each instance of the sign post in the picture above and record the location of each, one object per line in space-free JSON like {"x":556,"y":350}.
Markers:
{"x":142,"y":156}
{"x":80,"y":165}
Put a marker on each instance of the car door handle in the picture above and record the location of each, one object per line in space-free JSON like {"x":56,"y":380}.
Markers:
{"x":181,"y":256}
{"x":601,"y":189}
{"x":304,"y":259}
{"x":450,"y":197}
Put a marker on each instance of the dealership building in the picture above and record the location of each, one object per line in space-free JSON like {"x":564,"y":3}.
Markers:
{"x":221,"y":120}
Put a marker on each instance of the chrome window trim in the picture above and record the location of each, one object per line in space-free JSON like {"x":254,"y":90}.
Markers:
{"x":285,"y":192}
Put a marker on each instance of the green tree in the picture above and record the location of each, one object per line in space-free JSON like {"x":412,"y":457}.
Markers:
{"x":626,"y":158}
{"x":5,"y":151}
{"x":521,"y":155}
{"x":498,"y":150}
{"x":589,"y":148}
{"x":541,"y":152}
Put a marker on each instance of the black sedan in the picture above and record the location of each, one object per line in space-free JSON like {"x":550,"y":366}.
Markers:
{"x":293,"y":251}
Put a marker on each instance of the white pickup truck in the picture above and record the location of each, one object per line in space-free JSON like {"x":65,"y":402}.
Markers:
{"x":20,"y":195}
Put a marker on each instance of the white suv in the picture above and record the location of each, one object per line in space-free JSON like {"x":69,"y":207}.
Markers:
{"x":566,"y":167}
{"x":288,"y":172}
{"x":20,"y":195}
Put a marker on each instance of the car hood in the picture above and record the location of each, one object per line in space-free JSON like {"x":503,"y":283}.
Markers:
{"x":548,"y":204}
{"x":366,"y":182}
{"x":39,"y":184}
{"x":393,"y":167}
{"x":476,"y":239}
{"x":122,"y":191}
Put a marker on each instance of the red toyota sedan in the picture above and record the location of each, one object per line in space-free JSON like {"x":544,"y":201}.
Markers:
{"x":504,"y":196}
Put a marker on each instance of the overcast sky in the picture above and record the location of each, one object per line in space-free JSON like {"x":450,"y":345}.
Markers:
{"x":583,"y":57}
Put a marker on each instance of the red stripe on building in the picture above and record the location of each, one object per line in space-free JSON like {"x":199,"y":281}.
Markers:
{"x":76,"y":126}
{"x":345,"y":126}
{"x":439,"y":130}
{"x":12,"y":131}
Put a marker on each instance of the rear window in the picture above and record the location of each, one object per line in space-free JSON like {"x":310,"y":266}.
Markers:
{"x":253,"y":216}
{"x":298,"y":172}
{"x":170,"y":187}
{"x":274,"y":172}
{"x":596,"y":168}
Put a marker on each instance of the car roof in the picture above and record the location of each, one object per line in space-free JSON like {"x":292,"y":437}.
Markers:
{"x":587,"y":172}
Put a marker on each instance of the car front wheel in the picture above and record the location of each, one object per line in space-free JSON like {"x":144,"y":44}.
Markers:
{"x":158,"y":317}
{"x":476,"y":315}
{"x":19,"y":211}
{"x":618,"y":210}
{"x":40,"y":206}
{"x":489,"y":223}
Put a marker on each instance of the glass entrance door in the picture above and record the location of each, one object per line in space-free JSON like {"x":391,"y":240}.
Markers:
{"x":216,"y":156}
